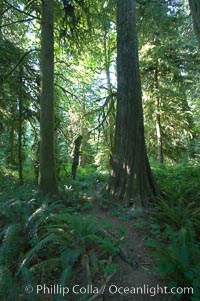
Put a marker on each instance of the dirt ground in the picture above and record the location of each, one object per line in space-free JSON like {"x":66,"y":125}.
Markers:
{"x":136,"y":272}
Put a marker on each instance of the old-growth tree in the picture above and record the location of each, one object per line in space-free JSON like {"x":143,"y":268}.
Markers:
{"x":47,"y":174}
{"x":131,"y":178}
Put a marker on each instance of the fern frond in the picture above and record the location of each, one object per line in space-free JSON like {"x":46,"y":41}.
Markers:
{"x":63,"y":281}
{"x":70,"y":256}
{"x":37,"y":248}
{"x":48,"y":264}
{"x":9,"y":287}
{"x":28,"y":279}
{"x":37,"y":213}
{"x":11,"y":244}
{"x":6,"y":281}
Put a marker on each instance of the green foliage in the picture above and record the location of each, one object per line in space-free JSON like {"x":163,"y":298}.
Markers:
{"x":89,"y":185}
{"x":44,"y":240}
{"x":178,"y":258}
{"x":106,"y":246}
{"x":47,"y":242}
{"x":27,"y":279}
{"x":179,"y":181}
{"x":10,"y":245}
{"x":9,"y":287}
{"x":178,"y":214}
{"x":167,"y":56}
{"x":175,"y":226}
{"x":194,"y":278}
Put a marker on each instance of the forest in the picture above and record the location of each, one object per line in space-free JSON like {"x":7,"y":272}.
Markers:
{"x":99,"y":150}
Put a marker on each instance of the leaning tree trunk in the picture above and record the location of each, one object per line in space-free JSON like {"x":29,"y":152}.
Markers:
{"x":47,"y":172}
{"x":195,"y":11}
{"x":131,"y":178}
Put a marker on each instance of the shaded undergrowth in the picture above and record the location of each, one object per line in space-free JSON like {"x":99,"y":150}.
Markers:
{"x":175,"y":227}
{"x":57,"y":242}
{"x":45,"y":241}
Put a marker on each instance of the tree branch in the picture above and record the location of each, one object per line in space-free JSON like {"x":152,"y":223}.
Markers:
{"x":15,"y":22}
{"x":68,"y":92}
{"x":21,"y":11}
{"x":19,"y":62}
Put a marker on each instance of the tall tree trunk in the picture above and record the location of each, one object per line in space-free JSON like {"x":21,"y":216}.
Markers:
{"x":131,"y":178}
{"x":111,"y":107}
{"x":84,"y":134}
{"x":47,"y":173}
{"x":12,"y":135}
{"x":158,"y":120}
{"x":1,"y":18}
{"x":20,"y":160}
{"x":76,"y":156}
{"x":195,"y":11}
{"x":12,"y":145}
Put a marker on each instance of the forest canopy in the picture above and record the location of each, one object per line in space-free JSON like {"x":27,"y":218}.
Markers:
{"x":85,"y":85}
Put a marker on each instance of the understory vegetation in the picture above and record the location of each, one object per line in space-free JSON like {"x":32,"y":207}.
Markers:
{"x":175,"y":226}
{"x":45,"y":241}
{"x":58,"y":241}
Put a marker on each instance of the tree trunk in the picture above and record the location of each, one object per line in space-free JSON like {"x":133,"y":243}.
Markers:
{"x":76,"y":157}
{"x":12,"y":158}
{"x":47,"y":173}
{"x":158,"y":121}
{"x":84,"y":134}
{"x":111,"y":107}
{"x":20,"y":159}
{"x":195,"y":11}
{"x":12,"y":145}
{"x":131,"y":178}
{"x":1,"y":18}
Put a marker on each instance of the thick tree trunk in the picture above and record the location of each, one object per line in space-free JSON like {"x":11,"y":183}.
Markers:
{"x":47,"y":173}
{"x":195,"y":11}
{"x":131,"y":178}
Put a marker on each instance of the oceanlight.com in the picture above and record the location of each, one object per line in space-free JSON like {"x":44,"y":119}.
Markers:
{"x":112,"y":289}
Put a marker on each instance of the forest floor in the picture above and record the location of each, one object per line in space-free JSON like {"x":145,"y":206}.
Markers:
{"x":135,"y":266}
{"x":82,"y":238}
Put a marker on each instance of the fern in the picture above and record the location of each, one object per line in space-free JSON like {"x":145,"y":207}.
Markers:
{"x":36,"y":249}
{"x":178,"y":214}
{"x":28,"y":280}
{"x":63,"y":281}
{"x":49,"y":264}
{"x":11,"y":245}
{"x":179,"y":256}
{"x":70,"y":256}
{"x":6,"y":280}
{"x":44,"y":244}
